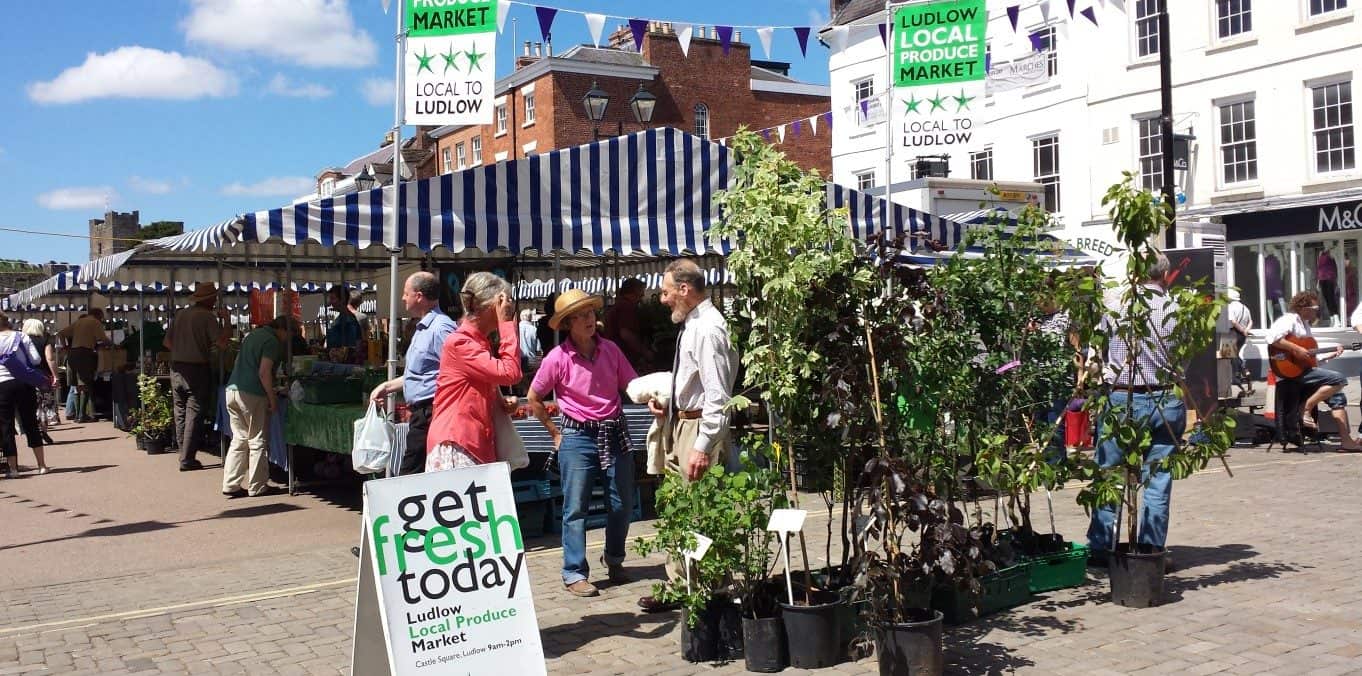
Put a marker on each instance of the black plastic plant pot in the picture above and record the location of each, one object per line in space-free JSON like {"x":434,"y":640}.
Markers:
{"x":701,"y":642}
{"x":1136,"y":577}
{"x":813,"y":632}
{"x":764,"y":648}
{"x":728,"y":618}
{"x":141,"y":442}
{"x":154,"y":445}
{"x":912,"y":647}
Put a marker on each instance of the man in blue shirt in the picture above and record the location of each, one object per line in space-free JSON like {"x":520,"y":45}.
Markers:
{"x":421,"y":296}
{"x":345,"y":331}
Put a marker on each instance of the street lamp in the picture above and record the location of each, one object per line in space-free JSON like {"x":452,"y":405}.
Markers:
{"x":366,"y":180}
{"x":642,"y":104}
{"x":595,"y":102}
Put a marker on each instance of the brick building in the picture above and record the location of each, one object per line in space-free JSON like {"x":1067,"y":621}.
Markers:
{"x":539,"y":106}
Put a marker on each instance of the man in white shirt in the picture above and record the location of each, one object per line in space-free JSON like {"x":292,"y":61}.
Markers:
{"x":1324,"y":384}
{"x":1241,"y":322}
{"x":703,"y":373}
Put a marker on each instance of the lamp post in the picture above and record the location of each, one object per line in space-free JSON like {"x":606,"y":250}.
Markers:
{"x":366,"y":180}
{"x":596,"y":101}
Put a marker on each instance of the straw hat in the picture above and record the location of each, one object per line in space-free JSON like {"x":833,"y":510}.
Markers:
{"x":570,"y":303}
{"x":202,"y":292}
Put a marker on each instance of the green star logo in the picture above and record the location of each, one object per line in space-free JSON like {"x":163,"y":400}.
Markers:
{"x":938,"y":103}
{"x":962,"y":101}
{"x":913,"y":102}
{"x":423,"y":60}
{"x":449,"y":58}
{"x":475,"y":58}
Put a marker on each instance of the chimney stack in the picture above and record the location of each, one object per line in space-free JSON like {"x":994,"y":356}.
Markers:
{"x":527,"y":48}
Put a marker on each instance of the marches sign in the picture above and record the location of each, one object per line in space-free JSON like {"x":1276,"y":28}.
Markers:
{"x":450,"y":66}
{"x":445,"y":563}
{"x":1032,"y":69}
{"x":939,"y":57}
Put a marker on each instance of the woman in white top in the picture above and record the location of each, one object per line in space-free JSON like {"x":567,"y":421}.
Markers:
{"x":18,"y":400}
{"x":36,"y":331}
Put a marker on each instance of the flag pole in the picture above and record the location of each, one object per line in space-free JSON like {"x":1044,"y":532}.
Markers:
{"x":888,"y":125}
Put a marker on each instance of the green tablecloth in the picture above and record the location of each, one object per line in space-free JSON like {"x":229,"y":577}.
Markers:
{"x":327,"y":427}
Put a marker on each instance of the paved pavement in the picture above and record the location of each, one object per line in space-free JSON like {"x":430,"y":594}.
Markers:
{"x":1267,"y":583}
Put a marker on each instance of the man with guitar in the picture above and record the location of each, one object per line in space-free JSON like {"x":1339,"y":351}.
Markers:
{"x":1291,"y":354}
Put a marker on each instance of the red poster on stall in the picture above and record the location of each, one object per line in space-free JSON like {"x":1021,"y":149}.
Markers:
{"x":262,"y":305}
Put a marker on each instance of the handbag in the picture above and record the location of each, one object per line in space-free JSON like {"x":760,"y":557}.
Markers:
{"x":17,"y":363}
{"x":510,"y":447}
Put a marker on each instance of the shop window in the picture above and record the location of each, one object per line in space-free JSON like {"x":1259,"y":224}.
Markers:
{"x":1233,"y":17}
{"x":1335,"y":144}
{"x":1151,"y":154}
{"x":1318,"y":7}
{"x":1147,"y":27}
{"x":1045,"y":169}
{"x":1238,"y":143}
{"x":981,"y":165}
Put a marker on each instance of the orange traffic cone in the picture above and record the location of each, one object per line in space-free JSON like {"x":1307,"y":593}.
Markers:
{"x":1270,"y":405}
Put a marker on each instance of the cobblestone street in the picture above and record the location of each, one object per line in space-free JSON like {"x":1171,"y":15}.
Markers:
{"x":1265,"y":583}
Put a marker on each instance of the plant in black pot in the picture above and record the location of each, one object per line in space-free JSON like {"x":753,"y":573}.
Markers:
{"x":153,"y":420}
{"x":1151,"y":333}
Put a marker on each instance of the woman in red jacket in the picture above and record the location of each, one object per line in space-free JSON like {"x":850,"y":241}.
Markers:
{"x":461,"y":429}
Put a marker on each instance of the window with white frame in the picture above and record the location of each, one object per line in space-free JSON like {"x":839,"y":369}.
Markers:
{"x":1047,"y":41}
{"x":1318,"y":7}
{"x":1150,"y":158}
{"x":1045,"y":168}
{"x":1233,"y":17}
{"x":981,"y":165}
{"x":865,"y":180}
{"x":477,"y":151}
{"x":328,"y":187}
{"x":865,"y":97}
{"x":529,"y":109}
{"x":702,"y":120}
{"x":1335,"y":142}
{"x":501,"y":119}
{"x":446,"y":161}
{"x":1238,"y":143}
{"x":460,"y":157}
{"x":1147,"y":27}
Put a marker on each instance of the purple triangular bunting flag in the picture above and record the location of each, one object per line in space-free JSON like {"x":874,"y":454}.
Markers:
{"x":794,"y":126}
{"x":988,"y":61}
{"x":546,"y":15}
{"x":1036,"y":45}
{"x":639,"y":28}
{"x":766,"y":134}
{"x":827,"y":117}
{"x":725,"y":37}
{"x":1071,"y":8}
{"x":884,"y":34}
{"x":1090,"y":15}
{"x":865,"y":108}
{"x":802,"y":33}
{"x":1012,"y":13}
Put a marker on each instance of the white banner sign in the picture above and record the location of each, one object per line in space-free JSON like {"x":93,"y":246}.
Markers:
{"x":1032,"y":69}
{"x":450,"y":63}
{"x":452,"y":580}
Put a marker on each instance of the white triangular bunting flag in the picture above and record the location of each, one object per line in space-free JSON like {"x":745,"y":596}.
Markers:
{"x":1120,"y":5}
{"x":595,"y":23}
{"x":837,"y":39}
{"x":780,"y":132}
{"x":386,"y":5}
{"x":1045,"y":10}
{"x":1063,"y":29}
{"x":813,"y":124}
{"x":503,"y":9}
{"x":764,"y":34}
{"x":683,"y":36}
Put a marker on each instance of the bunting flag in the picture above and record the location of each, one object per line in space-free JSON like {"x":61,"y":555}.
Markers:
{"x":1036,"y":45}
{"x":766,"y":134}
{"x":794,"y":126}
{"x":802,"y":34}
{"x":546,"y":15}
{"x":1045,"y":10}
{"x":1090,"y":15}
{"x":884,"y":35}
{"x":683,"y":33}
{"x":865,"y":109}
{"x":764,"y":35}
{"x":386,"y":5}
{"x":1120,"y":5}
{"x":1071,"y":7}
{"x":813,"y":125}
{"x":503,"y":10}
{"x":827,"y":118}
{"x":780,"y":133}
{"x":837,"y":38}
{"x":1013,"y":12}
{"x":595,"y":23}
{"x":725,"y":37}
{"x":639,"y":27}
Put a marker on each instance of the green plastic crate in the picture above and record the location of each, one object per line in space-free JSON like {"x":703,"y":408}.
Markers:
{"x":1003,"y":589}
{"x":1061,"y":570}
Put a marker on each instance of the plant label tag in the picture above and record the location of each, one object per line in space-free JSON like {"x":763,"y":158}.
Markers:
{"x":787,"y":520}
{"x":862,"y":524}
{"x":702,"y":544}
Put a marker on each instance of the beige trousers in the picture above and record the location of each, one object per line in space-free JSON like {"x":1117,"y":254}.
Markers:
{"x":250,"y":417}
{"x":681,"y":445}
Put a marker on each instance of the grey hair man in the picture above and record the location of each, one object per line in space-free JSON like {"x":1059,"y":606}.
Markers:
{"x":421,"y":297}
{"x":704,"y":370}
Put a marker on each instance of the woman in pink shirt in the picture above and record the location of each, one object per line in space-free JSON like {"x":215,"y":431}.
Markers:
{"x":586,"y":374}
{"x":461,"y":428}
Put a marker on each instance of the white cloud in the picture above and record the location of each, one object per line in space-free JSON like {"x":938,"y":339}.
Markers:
{"x":150,"y":186}
{"x":135,"y":73}
{"x":315,"y":33}
{"x":275,"y":186}
{"x":377,"y":91}
{"x":89,"y":197}
{"x":282,"y":86}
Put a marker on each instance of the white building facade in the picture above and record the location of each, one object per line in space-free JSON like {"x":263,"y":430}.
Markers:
{"x":1265,"y":87}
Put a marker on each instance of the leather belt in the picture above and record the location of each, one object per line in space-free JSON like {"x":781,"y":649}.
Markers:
{"x":1141,"y":389}
{"x":689,"y":415}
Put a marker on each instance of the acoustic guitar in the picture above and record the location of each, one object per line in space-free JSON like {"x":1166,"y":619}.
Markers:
{"x":1287,"y":365}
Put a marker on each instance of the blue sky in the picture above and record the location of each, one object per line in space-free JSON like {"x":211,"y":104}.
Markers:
{"x":197,"y":110}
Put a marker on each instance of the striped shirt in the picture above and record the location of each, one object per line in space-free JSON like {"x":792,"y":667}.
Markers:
{"x":1149,"y":365}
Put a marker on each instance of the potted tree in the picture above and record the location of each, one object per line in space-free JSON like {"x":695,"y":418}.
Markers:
{"x":1137,"y":446}
{"x":153,"y":420}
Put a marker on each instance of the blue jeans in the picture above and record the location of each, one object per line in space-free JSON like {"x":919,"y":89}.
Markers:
{"x":581,"y":469}
{"x":1319,"y":377}
{"x":1166,"y":417}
